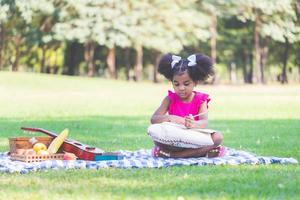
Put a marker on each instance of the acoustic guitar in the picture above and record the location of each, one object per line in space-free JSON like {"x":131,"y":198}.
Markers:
{"x":82,"y":151}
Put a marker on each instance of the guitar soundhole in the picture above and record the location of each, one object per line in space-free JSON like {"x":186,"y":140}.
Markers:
{"x":90,"y":148}
{"x":78,"y":144}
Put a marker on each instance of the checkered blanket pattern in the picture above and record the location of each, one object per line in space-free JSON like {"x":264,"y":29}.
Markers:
{"x":140,"y":159}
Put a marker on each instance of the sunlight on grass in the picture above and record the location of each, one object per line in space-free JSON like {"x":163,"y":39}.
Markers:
{"x":57,"y":96}
{"x":114,"y":115}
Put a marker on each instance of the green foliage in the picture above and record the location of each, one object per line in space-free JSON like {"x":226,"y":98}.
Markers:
{"x":278,"y":17}
{"x":158,"y":26}
{"x":29,"y":8}
{"x":3,"y":12}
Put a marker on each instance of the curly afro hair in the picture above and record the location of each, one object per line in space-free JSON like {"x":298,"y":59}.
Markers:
{"x":200,"y":70}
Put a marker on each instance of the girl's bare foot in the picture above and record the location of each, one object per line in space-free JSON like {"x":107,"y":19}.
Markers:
{"x":158,"y":152}
{"x":219,"y":151}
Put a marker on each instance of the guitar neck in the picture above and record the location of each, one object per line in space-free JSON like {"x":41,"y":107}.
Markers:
{"x":49,"y":133}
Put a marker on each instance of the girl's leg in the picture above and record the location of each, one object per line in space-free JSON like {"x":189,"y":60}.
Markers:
{"x":176,"y":152}
{"x":169,"y":147}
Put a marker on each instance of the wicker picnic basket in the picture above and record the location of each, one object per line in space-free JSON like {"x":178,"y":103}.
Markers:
{"x":24,"y":143}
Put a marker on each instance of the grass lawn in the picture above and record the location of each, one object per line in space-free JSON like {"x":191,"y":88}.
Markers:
{"x":114,"y":115}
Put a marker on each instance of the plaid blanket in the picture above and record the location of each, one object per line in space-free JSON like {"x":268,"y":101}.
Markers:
{"x":140,"y":159}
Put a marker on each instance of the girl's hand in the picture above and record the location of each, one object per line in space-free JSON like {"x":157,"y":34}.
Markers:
{"x":177,"y":119}
{"x":190,"y":122}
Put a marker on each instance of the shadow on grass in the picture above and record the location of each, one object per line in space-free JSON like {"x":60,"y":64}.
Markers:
{"x":265,"y":137}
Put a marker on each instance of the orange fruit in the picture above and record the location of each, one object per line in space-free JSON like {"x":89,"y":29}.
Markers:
{"x":39,"y":146}
{"x":42,"y":152}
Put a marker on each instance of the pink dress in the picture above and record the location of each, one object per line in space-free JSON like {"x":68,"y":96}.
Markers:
{"x":180,"y":108}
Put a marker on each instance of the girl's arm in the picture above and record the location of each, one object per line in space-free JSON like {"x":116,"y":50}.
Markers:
{"x":190,"y":122}
{"x":160,"y":116}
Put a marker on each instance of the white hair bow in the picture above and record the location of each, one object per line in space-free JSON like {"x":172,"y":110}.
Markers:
{"x":175,"y":60}
{"x":192,"y":60}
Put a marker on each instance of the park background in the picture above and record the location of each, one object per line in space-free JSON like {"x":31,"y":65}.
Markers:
{"x":89,"y":65}
{"x":249,"y":41}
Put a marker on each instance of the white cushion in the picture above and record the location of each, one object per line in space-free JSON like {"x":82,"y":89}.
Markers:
{"x":179,"y":136}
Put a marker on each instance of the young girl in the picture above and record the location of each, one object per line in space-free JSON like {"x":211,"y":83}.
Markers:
{"x":186,"y":106}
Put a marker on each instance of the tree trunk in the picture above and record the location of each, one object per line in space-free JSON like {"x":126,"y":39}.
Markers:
{"x":15,"y":65}
{"x":245,"y":65}
{"x":213,"y":42}
{"x":158,"y":57}
{"x":247,"y":61}
{"x":54,"y":67}
{"x":250,"y":73}
{"x":111,"y":62}
{"x":138,"y":68}
{"x":1,"y":45}
{"x":89,"y":51}
{"x":232,"y":70}
{"x":263,"y":57}
{"x":18,"y":42}
{"x":298,"y":61}
{"x":213,"y":39}
{"x":43,"y":61}
{"x":72,"y":57}
{"x":284,"y":61}
{"x":257,"y":28}
{"x":127,"y":63}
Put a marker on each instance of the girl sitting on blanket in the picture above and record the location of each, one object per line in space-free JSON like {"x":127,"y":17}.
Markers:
{"x":186,"y":106}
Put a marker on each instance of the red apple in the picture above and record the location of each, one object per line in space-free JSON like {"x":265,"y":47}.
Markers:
{"x":69,"y":156}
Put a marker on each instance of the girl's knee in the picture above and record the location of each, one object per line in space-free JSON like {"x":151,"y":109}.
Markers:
{"x":217,"y":138}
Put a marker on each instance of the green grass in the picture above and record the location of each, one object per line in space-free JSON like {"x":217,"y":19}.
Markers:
{"x":114,"y":115}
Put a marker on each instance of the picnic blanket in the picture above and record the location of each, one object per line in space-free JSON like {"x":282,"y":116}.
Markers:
{"x":140,"y":159}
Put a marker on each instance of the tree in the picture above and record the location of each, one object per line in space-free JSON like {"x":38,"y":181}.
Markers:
{"x":4,"y":8}
{"x":164,"y":27}
{"x":265,"y":14}
{"x":25,"y":28}
{"x":284,"y":29}
{"x":236,"y":46}
{"x":12,"y":33}
{"x":94,"y":22}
